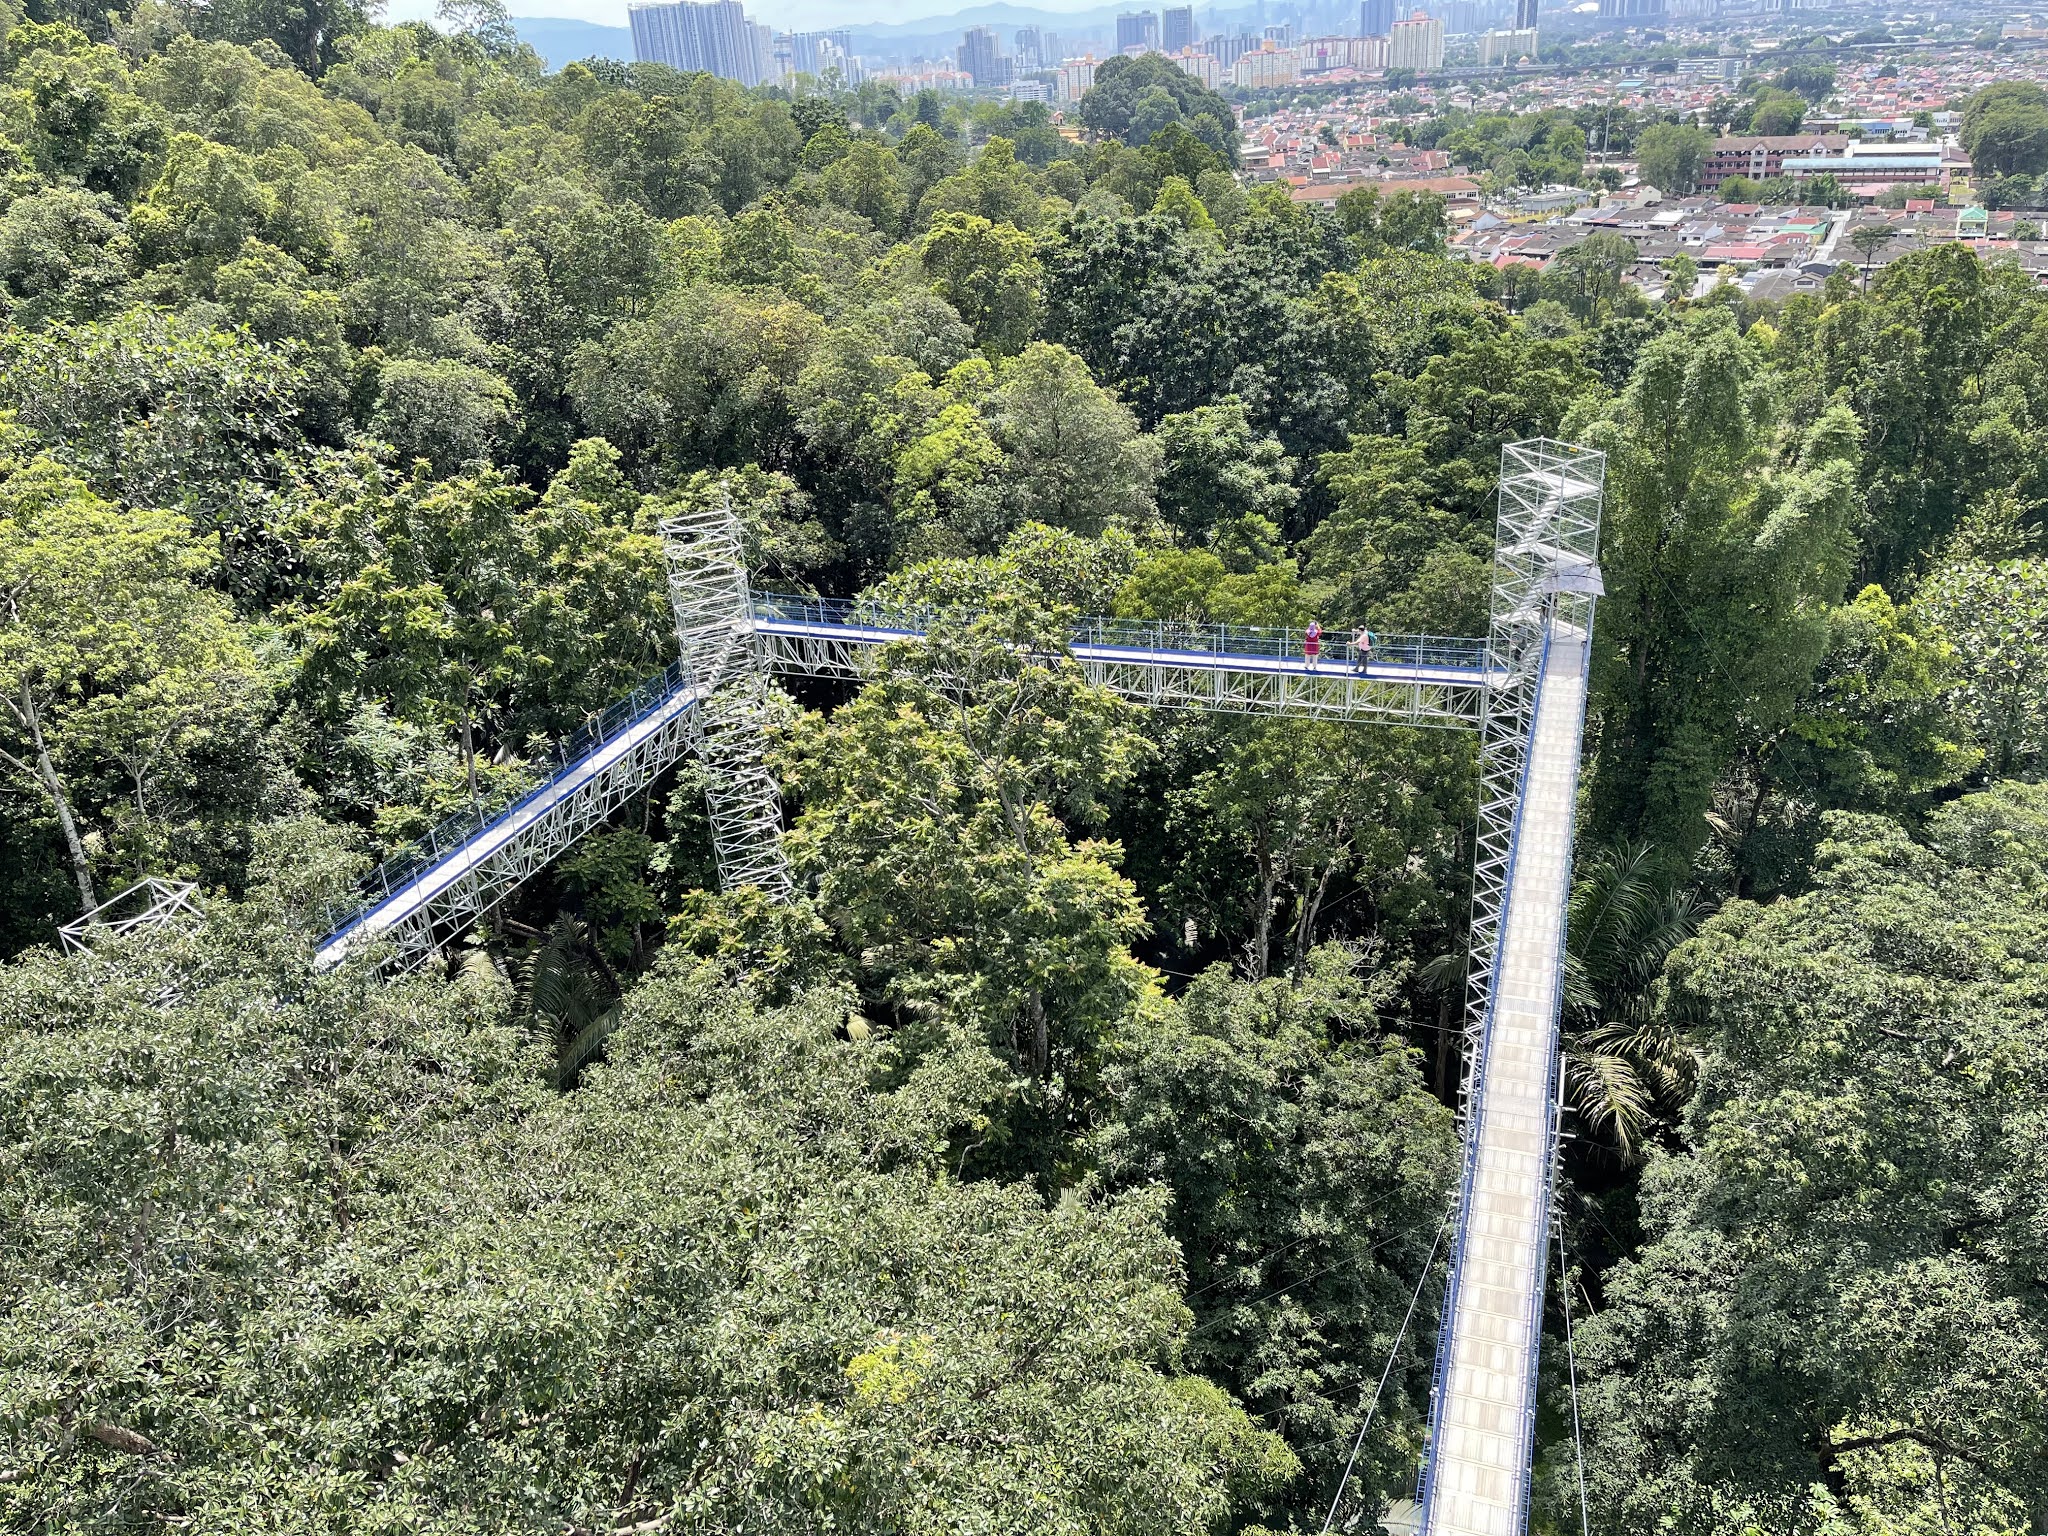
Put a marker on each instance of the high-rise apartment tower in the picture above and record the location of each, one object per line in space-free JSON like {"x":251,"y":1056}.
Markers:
{"x":1375,"y":17}
{"x":803,"y":49}
{"x":716,"y":37}
{"x":1177,"y":28}
{"x":1137,"y":29}
{"x":979,"y":57}
{"x":1417,"y":43}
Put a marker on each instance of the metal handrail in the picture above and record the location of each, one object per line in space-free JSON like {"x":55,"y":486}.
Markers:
{"x":1474,"y":1093}
{"x":1150,"y":636}
{"x":396,"y":872}
{"x":1170,"y":636}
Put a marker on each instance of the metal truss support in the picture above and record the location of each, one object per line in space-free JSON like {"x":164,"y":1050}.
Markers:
{"x":1475,"y":1476}
{"x":1337,"y":693}
{"x":1546,"y":552}
{"x":707,"y":585}
{"x":148,"y":903}
{"x":459,"y":873}
{"x":1525,"y":687}
{"x":1443,"y":685}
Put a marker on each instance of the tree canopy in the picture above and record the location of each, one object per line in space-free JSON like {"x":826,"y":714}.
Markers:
{"x":1134,"y":99}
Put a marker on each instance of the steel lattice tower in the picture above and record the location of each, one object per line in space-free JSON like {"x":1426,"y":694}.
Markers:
{"x":723,"y":661}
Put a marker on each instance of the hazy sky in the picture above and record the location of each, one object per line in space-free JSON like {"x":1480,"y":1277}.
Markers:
{"x":780,"y":14}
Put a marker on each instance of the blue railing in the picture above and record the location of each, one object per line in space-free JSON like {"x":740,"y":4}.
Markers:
{"x":1184,"y":637}
{"x":846,"y":612}
{"x":1249,"y":643}
{"x":401,"y":869}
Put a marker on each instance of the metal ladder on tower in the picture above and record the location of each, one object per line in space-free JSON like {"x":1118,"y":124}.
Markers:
{"x":713,"y":701}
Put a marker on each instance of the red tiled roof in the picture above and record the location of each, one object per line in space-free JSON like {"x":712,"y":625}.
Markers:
{"x":1445,"y":186}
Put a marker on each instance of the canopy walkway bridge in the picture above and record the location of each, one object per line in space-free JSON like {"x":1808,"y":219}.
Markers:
{"x":1522,"y":688}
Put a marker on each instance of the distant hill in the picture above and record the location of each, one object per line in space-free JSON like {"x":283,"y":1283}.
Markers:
{"x":560,"y":41}
{"x":999,"y":14}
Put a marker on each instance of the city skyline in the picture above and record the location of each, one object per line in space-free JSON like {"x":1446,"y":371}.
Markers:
{"x":1023,"y":50}
{"x":1061,"y":16}
{"x":713,"y":35}
{"x":781,"y":15}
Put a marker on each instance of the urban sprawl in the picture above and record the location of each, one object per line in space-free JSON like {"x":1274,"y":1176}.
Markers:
{"x":1793,"y":143}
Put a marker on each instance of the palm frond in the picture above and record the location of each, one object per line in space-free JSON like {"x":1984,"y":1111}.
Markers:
{"x":565,"y":989}
{"x":1610,"y":1096}
{"x":1444,"y":972}
{"x":581,"y":1049}
{"x":1625,"y":1062}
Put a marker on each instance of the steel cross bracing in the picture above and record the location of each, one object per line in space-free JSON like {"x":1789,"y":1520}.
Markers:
{"x":1546,"y":551}
{"x":465,"y":867}
{"x":148,"y":903}
{"x":1233,"y":669}
{"x":714,"y":701}
{"x":723,"y":657}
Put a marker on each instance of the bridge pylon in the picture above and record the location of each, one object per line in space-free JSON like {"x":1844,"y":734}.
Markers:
{"x":723,"y":661}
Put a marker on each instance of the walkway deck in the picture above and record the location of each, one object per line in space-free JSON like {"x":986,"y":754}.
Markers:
{"x":460,"y":872}
{"x":1411,"y":679}
{"x":1481,"y":1431}
{"x":1484,"y":1419}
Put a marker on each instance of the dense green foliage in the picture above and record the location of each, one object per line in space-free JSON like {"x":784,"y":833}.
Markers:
{"x":1067,"y":1155}
{"x":2005,"y":129}
{"x":1837,"y":1322}
{"x":1134,"y":98}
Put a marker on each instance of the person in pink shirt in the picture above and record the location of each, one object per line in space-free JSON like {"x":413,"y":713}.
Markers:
{"x":1312,"y":642}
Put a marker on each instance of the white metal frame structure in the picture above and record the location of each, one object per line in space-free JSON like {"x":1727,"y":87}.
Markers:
{"x":1546,"y":551}
{"x":723,"y":658}
{"x":466,"y":866}
{"x":1232,"y":669}
{"x":713,"y":701}
{"x":1475,"y":1480}
{"x":1524,"y":688}
{"x":148,"y":903}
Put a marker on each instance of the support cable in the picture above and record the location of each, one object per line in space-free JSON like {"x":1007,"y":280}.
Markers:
{"x":1428,"y":1265}
{"x":1564,"y":1285}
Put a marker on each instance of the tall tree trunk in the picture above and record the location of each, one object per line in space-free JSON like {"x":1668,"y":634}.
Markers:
{"x":469,"y":749}
{"x":1447,"y":1038}
{"x":1262,"y":920}
{"x":1311,"y":909}
{"x":60,"y":799}
{"x":1312,"y":905}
